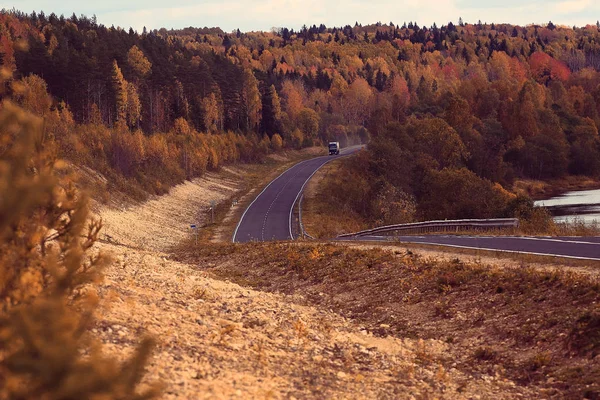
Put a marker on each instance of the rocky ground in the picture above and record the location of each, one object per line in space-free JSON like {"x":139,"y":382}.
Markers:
{"x":217,"y":339}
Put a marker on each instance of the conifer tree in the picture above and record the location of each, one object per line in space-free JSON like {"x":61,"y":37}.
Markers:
{"x":251,"y":99}
{"x":120,"y":88}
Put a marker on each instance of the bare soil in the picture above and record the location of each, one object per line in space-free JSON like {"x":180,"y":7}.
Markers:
{"x":325,"y":321}
{"x":217,"y":339}
{"x":536,"y":328}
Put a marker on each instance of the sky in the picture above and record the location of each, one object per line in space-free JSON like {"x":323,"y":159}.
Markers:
{"x":255,"y":15}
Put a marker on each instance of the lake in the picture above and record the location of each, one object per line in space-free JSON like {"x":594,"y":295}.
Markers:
{"x":582,"y":205}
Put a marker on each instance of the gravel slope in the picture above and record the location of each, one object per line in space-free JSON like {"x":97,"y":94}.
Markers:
{"x":219,"y":340}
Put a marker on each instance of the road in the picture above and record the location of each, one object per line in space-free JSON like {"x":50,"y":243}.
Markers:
{"x":586,"y":248}
{"x":269,"y":216}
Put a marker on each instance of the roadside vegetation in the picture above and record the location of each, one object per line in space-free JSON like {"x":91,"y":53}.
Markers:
{"x":536,"y":327}
{"x":455,"y":116}
{"x":48,"y":277}
{"x":453,"y":109}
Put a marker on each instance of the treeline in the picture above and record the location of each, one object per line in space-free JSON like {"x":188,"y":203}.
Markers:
{"x":509,"y":101}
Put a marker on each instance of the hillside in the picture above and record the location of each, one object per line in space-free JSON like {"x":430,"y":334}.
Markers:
{"x":218,"y":339}
{"x":164,"y":124}
{"x":478,"y":105}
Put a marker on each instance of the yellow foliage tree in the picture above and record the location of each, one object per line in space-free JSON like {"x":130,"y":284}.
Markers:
{"x":138,"y":62}
{"x":45,"y":241}
{"x":120,"y":88}
{"x":252,"y":100}
{"x":213,"y":113}
{"x":276,"y":142}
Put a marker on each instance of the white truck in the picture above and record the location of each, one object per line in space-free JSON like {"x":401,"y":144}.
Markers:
{"x":334,"y":148}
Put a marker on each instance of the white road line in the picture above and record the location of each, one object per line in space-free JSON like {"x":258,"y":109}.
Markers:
{"x":502,"y":251}
{"x":303,"y":185}
{"x":277,"y":197}
{"x":550,"y":240}
{"x":256,"y":198}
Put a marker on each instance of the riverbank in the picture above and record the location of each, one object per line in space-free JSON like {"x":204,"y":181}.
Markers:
{"x":542,"y":190}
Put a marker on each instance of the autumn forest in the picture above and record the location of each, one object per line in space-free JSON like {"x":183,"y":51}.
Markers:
{"x":453,"y":114}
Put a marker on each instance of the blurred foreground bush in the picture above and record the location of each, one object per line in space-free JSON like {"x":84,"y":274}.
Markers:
{"x":47,"y":274}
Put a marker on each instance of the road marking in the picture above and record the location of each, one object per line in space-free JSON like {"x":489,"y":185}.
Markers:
{"x":262,"y":234}
{"x":306,"y":181}
{"x":503,"y":251}
{"x":256,"y":198}
{"x":551,"y":240}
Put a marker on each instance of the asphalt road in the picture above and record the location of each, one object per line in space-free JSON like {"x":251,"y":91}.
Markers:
{"x":587,"y":248}
{"x":269,"y":216}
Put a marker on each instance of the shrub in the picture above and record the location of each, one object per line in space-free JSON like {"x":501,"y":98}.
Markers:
{"x":276,"y":142}
{"x":297,"y":139}
{"x":45,"y":237}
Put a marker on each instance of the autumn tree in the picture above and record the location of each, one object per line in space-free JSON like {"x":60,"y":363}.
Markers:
{"x":356,"y":101}
{"x":252,"y":100}
{"x":121,"y":90}
{"x":276,"y":142}
{"x":459,"y":193}
{"x":32,"y":94}
{"x":437,"y":140}
{"x":292,"y":100}
{"x":138,"y":62}
{"x":308,"y":122}
{"x":134,"y":106}
{"x":271,"y":111}
{"x":213,"y":113}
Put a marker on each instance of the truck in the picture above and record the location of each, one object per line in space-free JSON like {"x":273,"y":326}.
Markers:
{"x":334,"y":148}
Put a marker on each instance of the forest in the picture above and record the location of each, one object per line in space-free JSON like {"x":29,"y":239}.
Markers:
{"x":453,"y":114}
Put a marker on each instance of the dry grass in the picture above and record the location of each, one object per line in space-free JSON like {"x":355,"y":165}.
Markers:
{"x":322,"y":218}
{"x":538,"y":190}
{"x":531,"y":325}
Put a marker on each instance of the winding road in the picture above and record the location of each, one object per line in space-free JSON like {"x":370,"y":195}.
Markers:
{"x":269,"y":217}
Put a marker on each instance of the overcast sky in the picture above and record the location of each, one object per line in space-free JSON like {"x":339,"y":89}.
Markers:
{"x":250,"y":15}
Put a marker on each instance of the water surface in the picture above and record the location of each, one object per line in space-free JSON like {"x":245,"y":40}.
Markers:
{"x":581,"y":205}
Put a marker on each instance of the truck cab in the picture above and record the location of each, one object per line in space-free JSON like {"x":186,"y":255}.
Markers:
{"x":334,"y":148}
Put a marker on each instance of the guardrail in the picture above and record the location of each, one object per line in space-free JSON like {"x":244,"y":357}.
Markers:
{"x":303,"y":232}
{"x":460,"y":225}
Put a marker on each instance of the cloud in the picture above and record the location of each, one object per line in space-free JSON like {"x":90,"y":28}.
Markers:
{"x":572,"y":6}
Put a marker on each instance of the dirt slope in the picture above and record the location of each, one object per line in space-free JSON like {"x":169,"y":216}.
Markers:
{"x":219,"y":340}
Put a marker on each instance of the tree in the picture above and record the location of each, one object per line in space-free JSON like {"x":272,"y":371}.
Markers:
{"x":356,"y":101}
{"x":32,"y":94}
{"x":292,"y":99}
{"x":308,"y":122}
{"x":276,"y":142}
{"x":213,"y":113}
{"x":134,"y":106}
{"x":545,"y":68}
{"x":120,"y":89}
{"x":252,"y":100}
{"x":138,"y":62}
{"x":400,"y":93}
{"x":272,"y":114}
{"x":297,"y":139}
{"x":439,"y":141}
{"x":459,"y":193}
